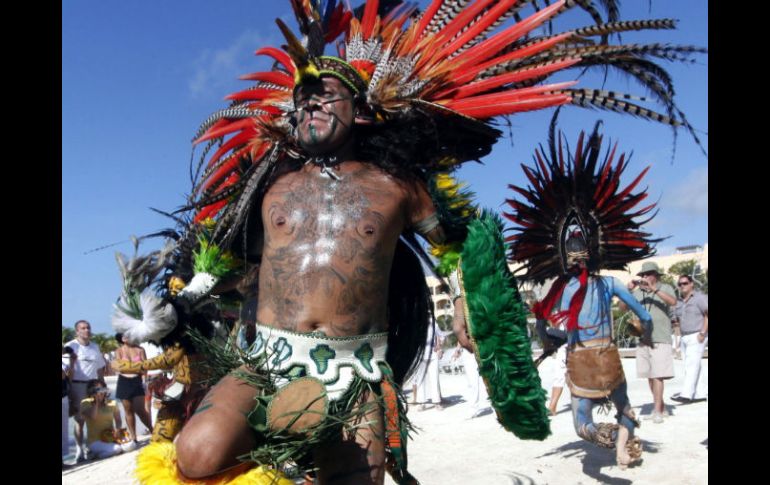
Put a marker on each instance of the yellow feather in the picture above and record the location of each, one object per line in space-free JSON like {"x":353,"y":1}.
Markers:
{"x":208,"y":223}
{"x":156,"y":465}
{"x":307,"y":71}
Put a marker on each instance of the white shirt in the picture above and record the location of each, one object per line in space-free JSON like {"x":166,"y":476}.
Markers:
{"x":151,"y":350}
{"x":89,"y":361}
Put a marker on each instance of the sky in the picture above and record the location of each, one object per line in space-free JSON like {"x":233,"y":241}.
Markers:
{"x":139,"y":77}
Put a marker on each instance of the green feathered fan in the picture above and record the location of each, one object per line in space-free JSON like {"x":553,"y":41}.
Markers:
{"x":497,"y":324}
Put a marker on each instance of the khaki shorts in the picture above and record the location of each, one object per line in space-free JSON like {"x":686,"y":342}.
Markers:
{"x":657,"y":363}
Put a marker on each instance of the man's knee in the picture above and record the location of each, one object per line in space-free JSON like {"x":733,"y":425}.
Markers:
{"x":212,"y":443}
{"x":199,"y":452}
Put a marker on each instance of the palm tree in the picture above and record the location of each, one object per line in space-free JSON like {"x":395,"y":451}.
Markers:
{"x":692,"y":268}
{"x":106,"y":343}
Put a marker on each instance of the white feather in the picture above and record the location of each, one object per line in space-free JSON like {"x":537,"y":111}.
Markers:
{"x":200,"y":285}
{"x":158,"y":320}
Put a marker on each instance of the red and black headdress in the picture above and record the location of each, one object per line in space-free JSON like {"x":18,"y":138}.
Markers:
{"x":577,"y":211}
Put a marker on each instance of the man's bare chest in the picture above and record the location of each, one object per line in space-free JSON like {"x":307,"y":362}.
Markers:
{"x":311,"y":206}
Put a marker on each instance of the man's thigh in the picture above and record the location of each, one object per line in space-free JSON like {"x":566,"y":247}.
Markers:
{"x":356,"y":457}
{"x":218,"y":431}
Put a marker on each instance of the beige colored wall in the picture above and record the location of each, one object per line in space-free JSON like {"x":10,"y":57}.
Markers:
{"x":439,"y":298}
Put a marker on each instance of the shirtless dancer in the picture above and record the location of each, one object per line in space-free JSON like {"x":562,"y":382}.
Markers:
{"x":330,"y":233}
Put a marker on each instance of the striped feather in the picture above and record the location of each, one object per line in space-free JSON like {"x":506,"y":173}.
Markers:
{"x":625,"y":26}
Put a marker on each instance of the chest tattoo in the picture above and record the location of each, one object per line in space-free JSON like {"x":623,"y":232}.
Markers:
{"x":326,"y":239}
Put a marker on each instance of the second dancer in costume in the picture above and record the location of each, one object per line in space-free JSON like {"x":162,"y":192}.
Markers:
{"x":577,"y":220}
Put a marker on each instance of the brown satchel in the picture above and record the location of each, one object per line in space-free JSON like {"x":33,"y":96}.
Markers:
{"x":594,"y":372}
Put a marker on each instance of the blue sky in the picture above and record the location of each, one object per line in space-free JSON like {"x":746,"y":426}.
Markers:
{"x":139,"y":77}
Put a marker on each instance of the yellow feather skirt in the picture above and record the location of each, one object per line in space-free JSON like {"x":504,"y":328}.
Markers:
{"x":156,"y":465}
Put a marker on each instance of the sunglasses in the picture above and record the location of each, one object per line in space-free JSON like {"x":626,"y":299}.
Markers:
{"x":683,"y":283}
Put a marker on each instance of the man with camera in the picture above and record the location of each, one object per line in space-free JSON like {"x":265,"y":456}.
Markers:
{"x":655,"y":362}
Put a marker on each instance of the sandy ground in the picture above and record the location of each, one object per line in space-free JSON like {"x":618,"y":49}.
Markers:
{"x":452,"y":449}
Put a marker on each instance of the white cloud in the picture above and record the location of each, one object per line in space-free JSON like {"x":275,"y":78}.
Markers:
{"x":691,"y":195}
{"x":217,"y":68}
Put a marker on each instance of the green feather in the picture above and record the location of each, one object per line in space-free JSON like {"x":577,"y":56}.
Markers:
{"x":498,"y":326}
{"x":209,"y":258}
{"x":448,"y":261}
{"x":454,"y":205}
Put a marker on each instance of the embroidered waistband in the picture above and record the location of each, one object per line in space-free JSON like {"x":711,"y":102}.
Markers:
{"x":332,"y":360}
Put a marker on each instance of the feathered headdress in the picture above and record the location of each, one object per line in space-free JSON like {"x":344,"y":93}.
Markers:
{"x":449,"y":71}
{"x":576,"y":210}
{"x":577,"y":196}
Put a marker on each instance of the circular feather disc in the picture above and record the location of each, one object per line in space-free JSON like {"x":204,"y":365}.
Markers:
{"x":298,"y":406}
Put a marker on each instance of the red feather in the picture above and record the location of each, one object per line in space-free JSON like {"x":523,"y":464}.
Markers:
{"x":461,"y":21}
{"x":230,"y":128}
{"x":257,"y":94}
{"x":274,"y":77}
{"x":633,"y":184}
{"x":634,"y":243}
{"x":209,"y":210}
{"x":543,"y":168}
{"x":623,"y":207}
{"x":427,"y":16}
{"x":279,"y":55}
{"x":612,"y":183}
{"x":532,"y":179}
{"x":495,"y":43}
{"x":367,"y":21}
{"x":239,"y":139}
{"x":468,"y":73}
{"x":491,"y":108}
{"x":479,"y":26}
{"x":224,"y":170}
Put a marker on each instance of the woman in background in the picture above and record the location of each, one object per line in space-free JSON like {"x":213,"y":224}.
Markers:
{"x":130,"y":388}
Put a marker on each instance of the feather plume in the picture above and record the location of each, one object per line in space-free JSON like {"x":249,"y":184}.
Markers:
{"x":156,"y":319}
{"x":578,"y":188}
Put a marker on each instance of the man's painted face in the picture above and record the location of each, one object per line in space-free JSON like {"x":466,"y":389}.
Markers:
{"x":324,"y":115}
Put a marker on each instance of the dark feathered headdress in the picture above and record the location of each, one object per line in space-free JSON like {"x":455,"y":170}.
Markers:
{"x":577,"y":199}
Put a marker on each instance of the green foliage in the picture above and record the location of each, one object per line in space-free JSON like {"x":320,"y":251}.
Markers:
{"x":668,"y":279}
{"x":106,"y":343}
{"x":691,"y":268}
{"x":67,"y":334}
{"x":621,"y":323}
